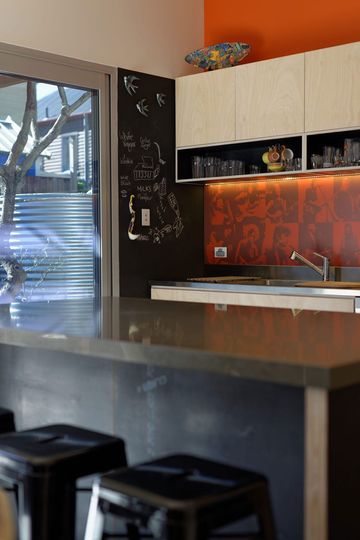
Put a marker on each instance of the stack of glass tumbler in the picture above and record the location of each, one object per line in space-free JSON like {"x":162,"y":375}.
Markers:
{"x":210,"y":167}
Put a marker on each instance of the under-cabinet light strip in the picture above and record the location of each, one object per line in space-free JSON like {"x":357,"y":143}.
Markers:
{"x":283,"y":178}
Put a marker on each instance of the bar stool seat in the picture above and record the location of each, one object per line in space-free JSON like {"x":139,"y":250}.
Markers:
{"x":180,"y":497}
{"x":7,"y":420}
{"x":45,"y":463}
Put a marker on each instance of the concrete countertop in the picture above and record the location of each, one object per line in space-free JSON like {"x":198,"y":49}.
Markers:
{"x":283,"y":346}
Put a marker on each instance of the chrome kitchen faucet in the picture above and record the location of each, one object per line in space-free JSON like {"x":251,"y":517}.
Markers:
{"x":324,"y":271}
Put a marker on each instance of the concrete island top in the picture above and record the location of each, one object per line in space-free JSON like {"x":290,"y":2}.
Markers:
{"x":303,"y":348}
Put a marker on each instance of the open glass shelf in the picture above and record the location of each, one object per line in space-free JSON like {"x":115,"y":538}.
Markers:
{"x":333,"y":152}
{"x":237,"y":160}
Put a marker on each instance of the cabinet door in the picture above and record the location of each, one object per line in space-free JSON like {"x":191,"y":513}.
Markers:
{"x":332,"y":88}
{"x":205,"y":108}
{"x":270,"y":97}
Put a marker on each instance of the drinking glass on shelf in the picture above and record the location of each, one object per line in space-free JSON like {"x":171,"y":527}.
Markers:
{"x":232,"y":167}
{"x":197,"y":166}
{"x":240,"y":167}
{"x":348,"y":157}
{"x":209,"y":167}
{"x":254,"y":169}
{"x":217,"y":166}
{"x":328,"y":156}
{"x":224,"y":168}
{"x":289,"y":164}
{"x":338,"y":158}
{"x":355,"y":151}
{"x":297,"y":164}
{"x":316,"y":161}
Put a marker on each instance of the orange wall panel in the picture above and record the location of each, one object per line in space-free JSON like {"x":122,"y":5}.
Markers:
{"x":275,"y":30}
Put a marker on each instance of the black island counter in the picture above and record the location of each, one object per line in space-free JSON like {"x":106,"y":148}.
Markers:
{"x":274,"y":390}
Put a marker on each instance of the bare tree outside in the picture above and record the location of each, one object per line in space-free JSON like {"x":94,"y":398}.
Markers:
{"x":12,"y":174}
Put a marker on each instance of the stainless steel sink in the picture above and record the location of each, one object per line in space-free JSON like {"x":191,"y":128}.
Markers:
{"x":282,"y":282}
{"x":313,"y":284}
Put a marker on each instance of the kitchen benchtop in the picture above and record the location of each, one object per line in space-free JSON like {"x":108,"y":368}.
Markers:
{"x":285,"y":346}
{"x":271,"y":286}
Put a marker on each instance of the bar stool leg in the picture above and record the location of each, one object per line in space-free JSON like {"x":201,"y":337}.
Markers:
{"x":132,"y":532}
{"x":96,"y":518}
{"x":265,"y":515}
{"x":184,"y":532}
{"x":46,"y":509}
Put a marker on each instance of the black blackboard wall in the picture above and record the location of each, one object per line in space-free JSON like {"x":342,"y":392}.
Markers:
{"x":172,"y":246}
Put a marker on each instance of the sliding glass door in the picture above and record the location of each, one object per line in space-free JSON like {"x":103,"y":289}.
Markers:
{"x":54,"y":178}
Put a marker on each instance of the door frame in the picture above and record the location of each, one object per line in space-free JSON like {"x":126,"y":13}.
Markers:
{"x":52,"y":68}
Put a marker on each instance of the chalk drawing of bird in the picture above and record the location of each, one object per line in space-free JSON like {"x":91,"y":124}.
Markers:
{"x":161,"y":99}
{"x":129,"y":84}
{"x":142,"y":107}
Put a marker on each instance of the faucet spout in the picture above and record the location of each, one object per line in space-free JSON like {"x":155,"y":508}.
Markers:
{"x":324,"y":271}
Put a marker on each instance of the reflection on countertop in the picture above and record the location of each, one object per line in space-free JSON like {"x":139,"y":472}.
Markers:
{"x":278,"y":345}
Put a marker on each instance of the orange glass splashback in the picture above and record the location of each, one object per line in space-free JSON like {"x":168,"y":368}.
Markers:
{"x":261,"y":222}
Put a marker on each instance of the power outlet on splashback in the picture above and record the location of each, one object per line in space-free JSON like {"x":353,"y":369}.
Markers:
{"x":220,"y":252}
{"x":145,"y":217}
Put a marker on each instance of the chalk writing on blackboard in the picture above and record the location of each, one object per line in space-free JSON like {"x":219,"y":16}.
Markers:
{"x":144,"y":192}
{"x":165,"y":225}
{"x":161,"y":189}
{"x":124,"y":193}
{"x":145,"y":143}
{"x":158,"y":234}
{"x":124,"y":180}
{"x":146,"y":169}
{"x":125,"y":160}
{"x":178,"y":224}
{"x":144,"y":189}
{"x":143,"y":107}
{"x":131,"y":226}
{"x":160,"y":215}
{"x":129,"y":84}
{"x":127,"y":139}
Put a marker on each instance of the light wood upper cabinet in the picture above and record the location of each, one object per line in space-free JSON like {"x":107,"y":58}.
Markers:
{"x":270,"y":97}
{"x":332,"y":88}
{"x":205,"y":108}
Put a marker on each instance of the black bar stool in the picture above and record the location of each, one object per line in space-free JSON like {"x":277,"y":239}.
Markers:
{"x":44,"y":463}
{"x":7,"y":425}
{"x":180,"y":497}
{"x":7,"y":420}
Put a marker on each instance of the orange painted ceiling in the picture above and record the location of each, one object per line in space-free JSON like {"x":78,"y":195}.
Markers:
{"x":278,"y":29}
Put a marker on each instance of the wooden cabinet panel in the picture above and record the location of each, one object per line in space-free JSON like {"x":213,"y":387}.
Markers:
{"x":205,"y":108}
{"x":332,"y":88}
{"x":178,"y":294}
{"x":270,"y":97}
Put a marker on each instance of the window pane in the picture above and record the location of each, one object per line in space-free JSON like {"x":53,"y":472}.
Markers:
{"x":48,"y":173}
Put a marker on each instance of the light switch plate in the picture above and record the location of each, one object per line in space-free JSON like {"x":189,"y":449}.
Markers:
{"x":145,"y":217}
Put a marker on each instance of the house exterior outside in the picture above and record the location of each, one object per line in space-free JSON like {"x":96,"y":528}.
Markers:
{"x":54,"y":231}
{"x":71,"y":153}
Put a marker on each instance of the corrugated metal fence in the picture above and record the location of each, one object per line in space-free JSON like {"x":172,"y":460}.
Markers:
{"x":77,"y":317}
{"x":54,"y":240}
